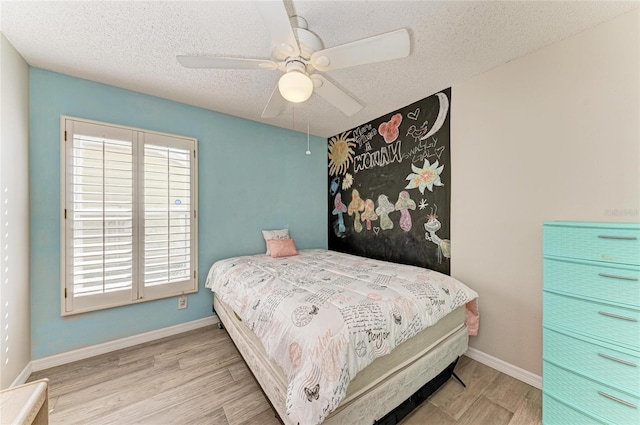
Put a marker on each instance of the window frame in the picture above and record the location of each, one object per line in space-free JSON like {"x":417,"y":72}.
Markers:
{"x":69,"y":305}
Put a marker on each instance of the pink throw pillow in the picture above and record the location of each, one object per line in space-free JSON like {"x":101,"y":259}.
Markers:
{"x":282,"y":247}
{"x":274,"y":234}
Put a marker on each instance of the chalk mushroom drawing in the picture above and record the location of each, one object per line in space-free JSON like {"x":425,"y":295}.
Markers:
{"x":340,"y":208}
{"x":432,"y":226}
{"x":384,"y":208}
{"x":369,"y":214}
{"x":404,"y":204}
{"x":355,"y":206}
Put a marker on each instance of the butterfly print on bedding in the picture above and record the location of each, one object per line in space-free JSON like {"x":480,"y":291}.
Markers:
{"x":312,"y":393}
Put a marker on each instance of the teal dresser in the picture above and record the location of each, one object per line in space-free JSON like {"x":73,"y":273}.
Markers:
{"x":591,"y":323}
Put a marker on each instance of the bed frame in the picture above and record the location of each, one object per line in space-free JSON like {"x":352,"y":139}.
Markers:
{"x":385,"y":404}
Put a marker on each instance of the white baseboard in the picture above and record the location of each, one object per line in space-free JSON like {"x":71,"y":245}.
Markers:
{"x":94,"y":350}
{"x":84,"y":353}
{"x":506,"y":368}
{"x":23,"y":376}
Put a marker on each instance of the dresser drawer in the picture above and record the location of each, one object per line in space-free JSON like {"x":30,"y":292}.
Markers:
{"x":617,"y":325}
{"x":612,"y":243}
{"x":555,"y":412}
{"x":607,"y":282}
{"x":593,"y":397}
{"x":604,"y":363}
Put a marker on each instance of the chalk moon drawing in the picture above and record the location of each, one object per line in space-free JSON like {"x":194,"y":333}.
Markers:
{"x":442,"y":115}
{"x":301,"y":316}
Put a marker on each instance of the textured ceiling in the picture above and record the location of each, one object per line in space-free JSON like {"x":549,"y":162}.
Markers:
{"x":134,"y":44}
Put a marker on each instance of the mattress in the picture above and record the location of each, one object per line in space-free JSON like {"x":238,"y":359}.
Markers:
{"x":378,"y":388}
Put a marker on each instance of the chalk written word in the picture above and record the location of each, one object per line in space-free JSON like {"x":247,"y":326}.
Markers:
{"x":363,"y":134}
{"x":423,"y":150}
{"x":386,"y":155}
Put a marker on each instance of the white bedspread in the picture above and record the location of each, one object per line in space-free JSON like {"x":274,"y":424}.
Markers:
{"x":323,"y":316}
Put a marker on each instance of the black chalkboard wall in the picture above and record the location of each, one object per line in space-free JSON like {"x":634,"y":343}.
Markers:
{"x":390,"y":186}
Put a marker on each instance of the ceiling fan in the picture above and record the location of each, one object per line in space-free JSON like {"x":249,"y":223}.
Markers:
{"x":298,"y":52}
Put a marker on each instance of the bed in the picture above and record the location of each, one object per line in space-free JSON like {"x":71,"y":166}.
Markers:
{"x":333,"y":338}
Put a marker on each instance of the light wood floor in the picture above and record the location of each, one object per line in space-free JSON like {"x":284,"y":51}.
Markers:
{"x":198,"y":377}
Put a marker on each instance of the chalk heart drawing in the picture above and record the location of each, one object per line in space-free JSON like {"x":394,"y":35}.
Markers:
{"x":414,"y":115}
{"x":376,"y":230}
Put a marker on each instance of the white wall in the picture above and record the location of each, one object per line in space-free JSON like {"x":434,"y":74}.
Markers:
{"x":15,"y":304}
{"x":554,"y":135}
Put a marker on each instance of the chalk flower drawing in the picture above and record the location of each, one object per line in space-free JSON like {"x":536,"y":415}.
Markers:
{"x":423,"y":204}
{"x":427,"y":176}
{"x":347,"y":182}
{"x":390,"y":129}
{"x":340,"y":153}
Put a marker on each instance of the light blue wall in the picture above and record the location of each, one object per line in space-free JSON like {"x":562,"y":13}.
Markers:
{"x":251,"y":176}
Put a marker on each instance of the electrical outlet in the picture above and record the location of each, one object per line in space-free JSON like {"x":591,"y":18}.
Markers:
{"x":182,"y":302}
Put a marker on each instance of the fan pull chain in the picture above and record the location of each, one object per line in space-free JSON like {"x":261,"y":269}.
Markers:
{"x":308,"y":152}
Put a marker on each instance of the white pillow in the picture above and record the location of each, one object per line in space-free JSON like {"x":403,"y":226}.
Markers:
{"x":274,"y":234}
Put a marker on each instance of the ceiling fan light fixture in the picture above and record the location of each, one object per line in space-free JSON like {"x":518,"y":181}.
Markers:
{"x":295,"y":86}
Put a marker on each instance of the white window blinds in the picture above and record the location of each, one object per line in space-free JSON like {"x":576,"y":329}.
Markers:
{"x":129,"y":215}
{"x":168,"y":213}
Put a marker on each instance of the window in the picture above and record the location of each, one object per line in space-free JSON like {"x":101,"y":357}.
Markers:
{"x":129,"y":228}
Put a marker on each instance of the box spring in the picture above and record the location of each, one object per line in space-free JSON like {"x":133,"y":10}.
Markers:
{"x":402,"y":377}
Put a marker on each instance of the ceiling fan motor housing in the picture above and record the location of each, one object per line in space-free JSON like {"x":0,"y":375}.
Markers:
{"x":307,"y":41}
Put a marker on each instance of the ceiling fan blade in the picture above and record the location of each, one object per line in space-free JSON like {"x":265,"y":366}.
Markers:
{"x":276,"y":18}
{"x":275,"y":105}
{"x":335,"y":95}
{"x":383,"y":47}
{"x":225,"y":63}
